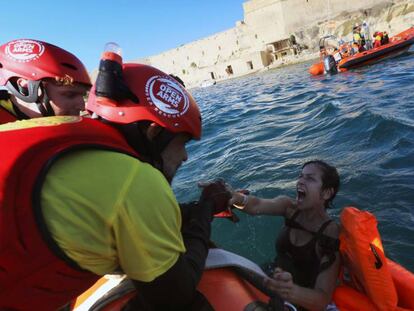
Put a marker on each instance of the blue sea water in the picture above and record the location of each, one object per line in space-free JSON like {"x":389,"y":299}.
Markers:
{"x":258,"y":131}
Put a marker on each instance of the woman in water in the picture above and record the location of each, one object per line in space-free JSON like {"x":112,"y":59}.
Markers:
{"x":307,"y":263}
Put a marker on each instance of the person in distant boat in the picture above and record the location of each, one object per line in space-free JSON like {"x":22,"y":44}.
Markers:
{"x":337,"y":55}
{"x":385,"y":39}
{"x":357,"y":37}
{"x":355,"y":48}
{"x":307,"y":263}
{"x":366,"y":34}
{"x":345,"y":50}
{"x":40,"y":79}
{"x":322,"y":53}
{"x":377,"y":39}
{"x":84,"y":197}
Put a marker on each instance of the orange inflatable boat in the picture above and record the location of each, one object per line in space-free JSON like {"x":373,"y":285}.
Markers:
{"x":369,"y":281}
{"x":397,"y":45}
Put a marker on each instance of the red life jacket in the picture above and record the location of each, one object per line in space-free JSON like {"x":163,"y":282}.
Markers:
{"x":35,"y":274}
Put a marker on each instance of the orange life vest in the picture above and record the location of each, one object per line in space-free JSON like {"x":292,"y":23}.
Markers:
{"x":364,"y":259}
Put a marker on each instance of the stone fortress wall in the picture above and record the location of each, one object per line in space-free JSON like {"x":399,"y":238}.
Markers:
{"x":263,"y":39}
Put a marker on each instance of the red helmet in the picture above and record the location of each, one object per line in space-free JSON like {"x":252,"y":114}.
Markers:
{"x":37,"y":60}
{"x":162,"y":100}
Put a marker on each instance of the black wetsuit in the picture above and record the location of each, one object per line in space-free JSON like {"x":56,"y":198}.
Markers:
{"x":303,"y":262}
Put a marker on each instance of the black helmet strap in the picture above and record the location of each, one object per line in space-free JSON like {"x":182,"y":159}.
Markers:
{"x":31,"y":95}
{"x":149,"y":150}
{"x":44,"y":105}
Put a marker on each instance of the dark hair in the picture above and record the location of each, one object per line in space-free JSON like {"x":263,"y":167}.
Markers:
{"x":330,"y":178}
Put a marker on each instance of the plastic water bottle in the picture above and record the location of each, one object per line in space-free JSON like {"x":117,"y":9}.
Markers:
{"x":112,"y":51}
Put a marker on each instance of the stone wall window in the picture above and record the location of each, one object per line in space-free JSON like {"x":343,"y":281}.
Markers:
{"x":249,"y":65}
{"x":213,"y":76}
{"x":219,"y":48}
{"x":255,"y":36}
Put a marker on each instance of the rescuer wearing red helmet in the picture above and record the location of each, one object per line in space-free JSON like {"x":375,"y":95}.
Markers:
{"x":40,"y":79}
{"x":83,"y":197}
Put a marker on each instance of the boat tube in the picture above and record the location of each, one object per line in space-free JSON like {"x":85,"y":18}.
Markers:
{"x":369,"y":281}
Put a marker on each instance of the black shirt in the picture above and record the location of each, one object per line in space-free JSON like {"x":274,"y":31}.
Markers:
{"x":303,"y":262}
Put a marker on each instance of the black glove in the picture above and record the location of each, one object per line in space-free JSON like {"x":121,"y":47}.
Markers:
{"x":216,"y":193}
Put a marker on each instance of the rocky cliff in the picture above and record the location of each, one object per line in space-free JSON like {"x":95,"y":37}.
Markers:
{"x":393,"y":17}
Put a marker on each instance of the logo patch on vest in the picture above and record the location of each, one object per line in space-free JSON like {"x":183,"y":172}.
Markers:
{"x":167,"y":97}
{"x":39,"y":122}
{"x":24,"y":51}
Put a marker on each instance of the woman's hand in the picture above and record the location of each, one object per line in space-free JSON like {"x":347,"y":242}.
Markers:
{"x":239,"y":199}
{"x":281,"y":283}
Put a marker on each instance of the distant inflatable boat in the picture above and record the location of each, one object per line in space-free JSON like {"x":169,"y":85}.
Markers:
{"x":397,"y":45}
{"x":370,"y":281}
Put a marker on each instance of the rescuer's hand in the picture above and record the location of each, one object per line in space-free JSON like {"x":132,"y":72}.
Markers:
{"x":216,"y":192}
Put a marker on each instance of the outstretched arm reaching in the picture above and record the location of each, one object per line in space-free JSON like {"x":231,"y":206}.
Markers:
{"x":257,"y":206}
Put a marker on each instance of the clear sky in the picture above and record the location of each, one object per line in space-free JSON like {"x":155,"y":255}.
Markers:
{"x":141,"y":27}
